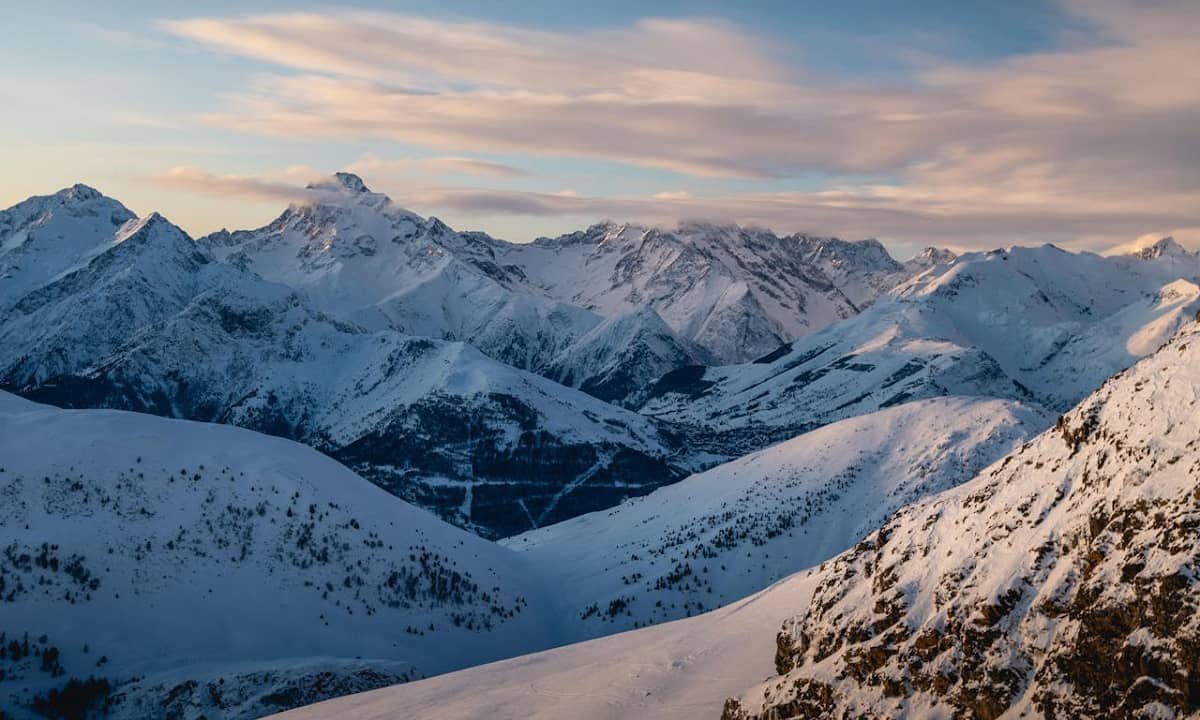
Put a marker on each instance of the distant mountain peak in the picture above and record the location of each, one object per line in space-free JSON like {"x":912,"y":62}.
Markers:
{"x":863,"y":255}
{"x":341,"y":182}
{"x":1165,"y":247}
{"x":930,"y":257}
{"x":156,"y":231}
{"x":79,"y":192}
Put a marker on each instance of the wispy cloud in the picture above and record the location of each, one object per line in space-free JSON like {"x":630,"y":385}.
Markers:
{"x":407,"y":166}
{"x":187,"y":178}
{"x":1097,"y":140}
{"x":118,"y":38}
{"x":852,"y":214}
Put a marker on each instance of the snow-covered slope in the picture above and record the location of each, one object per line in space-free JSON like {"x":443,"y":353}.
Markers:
{"x":886,"y":356}
{"x":623,"y":356}
{"x":152,"y":322}
{"x":723,"y":534}
{"x":737,"y":292}
{"x":862,"y":270}
{"x":362,"y":258}
{"x":678,"y":671}
{"x":46,"y":235}
{"x":1062,"y":582}
{"x":206,"y":570}
{"x":928,"y":258}
{"x":1024,"y":305}
{"x":1038,"y":324}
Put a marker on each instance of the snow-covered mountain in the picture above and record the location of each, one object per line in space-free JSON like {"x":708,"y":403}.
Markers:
{"x":45,"y":235}
{"x":862,"y":270}
{"x":723,"y":534}
{"x":1062,"y":582}
{"x":204,"y":570}
{"x":1033,"y":324}
{"x":1024,"y":306}
{"x":1166,"y":247}
{"x":878,"y":359}
{"x":623,"y":356}
{"x":149,"y":320}
{"x":928,"y":258}
{"x":362,"y":258}
{"x":737,"y":292}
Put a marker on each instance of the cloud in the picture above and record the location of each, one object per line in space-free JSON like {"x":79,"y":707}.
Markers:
{"x":1098,"y":140}
{"x":1187,"y":237}
{"x":187,"y":178}
{"x":839,"y":213}
{"x":118,"y":38}
{"x":911,"y":223}
{"x":423,"y":165}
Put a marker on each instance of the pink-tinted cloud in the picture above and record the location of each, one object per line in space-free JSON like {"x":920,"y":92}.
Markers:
{"x":911,"y":221}
{"x":1098,"y":140}
{"x":186,"y":178}
{"x":408,"y":166}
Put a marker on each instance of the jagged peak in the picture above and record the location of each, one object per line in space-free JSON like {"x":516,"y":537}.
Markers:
{"x":344,"y":191}
{"x":79,"y":192}
{"x":932,"y":251}
{"x":341,"y":182}
{"x":1164,"y":247}
{"x":866,"y":251}
{"x":151,"y":225}
{"x":435,"y":226}
{"x":933,"y":256}
{"x":78,"y":198}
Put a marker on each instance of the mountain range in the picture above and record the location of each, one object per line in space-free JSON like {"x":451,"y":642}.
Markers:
{"x":149,"y":320}
{"x":1058,"y":582}
{"x":355,"y":448}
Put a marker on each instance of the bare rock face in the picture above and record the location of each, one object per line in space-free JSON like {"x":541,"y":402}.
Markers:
{"x":1061,"y":583}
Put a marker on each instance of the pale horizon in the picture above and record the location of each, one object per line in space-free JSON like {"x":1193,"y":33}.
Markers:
{"x":1071,"y":123}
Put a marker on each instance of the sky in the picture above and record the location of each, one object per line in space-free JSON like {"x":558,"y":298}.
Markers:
{"x":966,"y":125}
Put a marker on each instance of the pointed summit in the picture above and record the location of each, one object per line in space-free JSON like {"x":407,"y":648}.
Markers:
{"x":342,"y":182}
{"x":351,"y":182}
{"x":1166,"y":247}
{"x":929,"y":257}
{"x":79,"y":192}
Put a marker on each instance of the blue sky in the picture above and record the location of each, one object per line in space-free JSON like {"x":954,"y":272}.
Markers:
{"x":964,"y":124}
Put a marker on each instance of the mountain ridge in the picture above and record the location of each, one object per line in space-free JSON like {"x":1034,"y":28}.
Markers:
{"x":155,"y":323}
{"x":1087,"y":603}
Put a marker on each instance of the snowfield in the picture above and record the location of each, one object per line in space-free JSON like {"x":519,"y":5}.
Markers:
{"x":146,"y":547}
{"x":723,"y":534}
{"x":677,"y":671}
